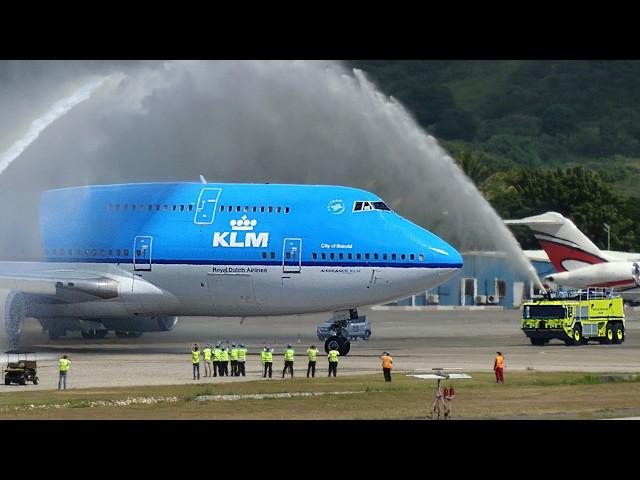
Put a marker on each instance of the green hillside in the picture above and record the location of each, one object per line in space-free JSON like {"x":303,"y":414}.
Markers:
{"x":517,"y":126}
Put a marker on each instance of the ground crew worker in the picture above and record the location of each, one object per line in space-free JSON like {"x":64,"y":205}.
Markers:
{"x":242,"y":358}
{"x":268,"y":362}
{"x":64,"y":363}
{"x":217,"y":354}
{"x":224,"y":362}
{"x":333,"y":361}
{"x":207,"y":359}
{"x":289,"y":355}
{"x":387,"y":365}
{"x":498,"y":367}
{"x":195,"y":360}
{"x":263,"y":359}
{"x":312,"y":353}
{"x":234,"y":360}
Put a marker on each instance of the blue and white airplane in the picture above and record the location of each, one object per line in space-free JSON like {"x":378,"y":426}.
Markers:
{"x":134,"y":257}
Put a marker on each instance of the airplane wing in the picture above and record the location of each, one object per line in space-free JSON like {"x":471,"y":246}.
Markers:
{"x":37,"y":278}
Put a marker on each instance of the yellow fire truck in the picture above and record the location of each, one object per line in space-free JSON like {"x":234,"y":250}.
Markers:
{"x":575,"y":316}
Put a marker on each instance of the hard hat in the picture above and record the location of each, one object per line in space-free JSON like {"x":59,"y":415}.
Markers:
{"x":288,"y":345}
{"x":233,"y":344}
{"x":242,"y":344}
{"x":385,"y":353}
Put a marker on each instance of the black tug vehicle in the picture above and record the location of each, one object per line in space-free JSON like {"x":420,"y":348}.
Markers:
{"x":23,"y":370}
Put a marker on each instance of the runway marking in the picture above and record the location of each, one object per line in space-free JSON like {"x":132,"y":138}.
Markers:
{"x":262,"y":396}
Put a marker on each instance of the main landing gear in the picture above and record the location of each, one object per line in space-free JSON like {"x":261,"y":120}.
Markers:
{"x":340,"y":341}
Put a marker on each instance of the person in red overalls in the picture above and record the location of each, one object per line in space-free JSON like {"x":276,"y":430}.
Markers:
{"x":498,"y":367}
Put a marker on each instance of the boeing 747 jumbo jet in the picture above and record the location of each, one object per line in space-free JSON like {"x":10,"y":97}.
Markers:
{"x":578,"y":261}
{"x":132,"y":258}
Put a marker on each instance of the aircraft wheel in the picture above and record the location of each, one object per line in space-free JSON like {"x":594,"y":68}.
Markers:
{"x":35,"y":380}
{"x":344,"y":347}
{"x":331,"y":343}
{"x":101,"y":333}
{"x":367,"y":334}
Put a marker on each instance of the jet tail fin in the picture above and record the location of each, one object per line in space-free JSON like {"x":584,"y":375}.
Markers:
{"x":566,"y":246}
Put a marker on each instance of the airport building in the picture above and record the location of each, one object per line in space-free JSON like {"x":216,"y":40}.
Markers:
{"x":486,"y":279}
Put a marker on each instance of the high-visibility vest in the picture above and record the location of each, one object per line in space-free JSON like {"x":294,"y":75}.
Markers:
{"x":217,"y":353}
{"x":313,"y":354}
{"x":234,"y":354}
{"x":64,"y":364}
{"x":333,"y":356}
{"x":207,"y":354}
{"x":242,"y":354}
{"x":263,"y":356}
{"x":195,"y":356}
{"x":499,"y":361}
{"x":289,"y":354}
{"x":387,"y":361}
{"x":268,"y":357}
{"x":224,"y":356}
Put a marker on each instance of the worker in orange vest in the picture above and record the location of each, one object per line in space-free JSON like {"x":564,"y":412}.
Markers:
{"x":498,"y":367}
{"x":387,"y":365}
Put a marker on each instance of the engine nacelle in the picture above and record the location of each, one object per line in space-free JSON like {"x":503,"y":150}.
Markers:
{"x":612,"y":274}
{"x":141,"y":324}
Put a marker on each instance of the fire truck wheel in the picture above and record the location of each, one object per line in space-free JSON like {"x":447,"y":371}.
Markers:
{"x":618,"y":334}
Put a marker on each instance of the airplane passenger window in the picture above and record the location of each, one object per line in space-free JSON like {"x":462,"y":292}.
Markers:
{"x":173,"y":207}
{"x":421,"y":257}
{"x":323,"y":256}
{"x":366,"y":256}
{"x":403,"y":256}
{"x":261,"y":209}
{"x":264,"y":254}
{"x":341,"y":256}
{"x":150,"y":207}
{"x":117,"y":252}
{"x":412,"y":256}
{"x":273,"y":254}
{"x":137,"y":253}
{"x":182,"y":208}
{"x":191,"y":207}
{"x":253,"y":209}
{"x":133,"y":207}
{"x":165,"y":208}
{"x":394,"y":256}
{"x":384,"y":256}
{"x":288,"y":255}
{"x":237,"y":208}
{"x":125,"y":252}
{"x":86,"y":252}
{"x":157,"y":208}
{"x":278,"y":210}
{"x":332,"y":256}
{"x":375,"y":256}
{"x":117,"y":206}
{"x":111,"y":252}
{"x":358,"y":256}
{"x":357,"y":206}
{"x":246,"y":209}
{"x":102,"y":252}
{"x":350,"y":256}
{"x":230,"y":208}
{"x":94,"y":252}
{"x":125,"y":206}
{"x":286,"y":209}
{"x":314,"y":256}
{"x":270,"y":209}
{"x":110,"y":207}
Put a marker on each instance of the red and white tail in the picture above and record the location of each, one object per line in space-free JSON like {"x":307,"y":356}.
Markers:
{"x":566,"y":246}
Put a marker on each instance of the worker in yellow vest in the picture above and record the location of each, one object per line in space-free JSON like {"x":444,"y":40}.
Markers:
{"x":242,"y":358}
{"x":312,"y":353}
{"x":268,"y":362}
{"x":387,"y":365}
{"x":289,"y":355}
{"x":195,"y":360}
{"x":217,"y":355}
{"x":224,"y":362}
{"x":498,"y":367}
{"x":63,"y":366}
{"x":333,"y":361}
{"x":234,"y":360}
{"x":207,"y":359}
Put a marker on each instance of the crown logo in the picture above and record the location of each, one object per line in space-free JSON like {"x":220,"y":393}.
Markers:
{"x":243,"y":224}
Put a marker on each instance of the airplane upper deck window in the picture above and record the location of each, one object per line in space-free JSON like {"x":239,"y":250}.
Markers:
{"x":361,"y":206}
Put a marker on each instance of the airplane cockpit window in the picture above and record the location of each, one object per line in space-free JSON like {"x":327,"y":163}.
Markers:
{"x":361,"y":206}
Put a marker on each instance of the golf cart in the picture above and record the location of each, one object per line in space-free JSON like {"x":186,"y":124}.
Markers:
{"x":23,"y":370}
